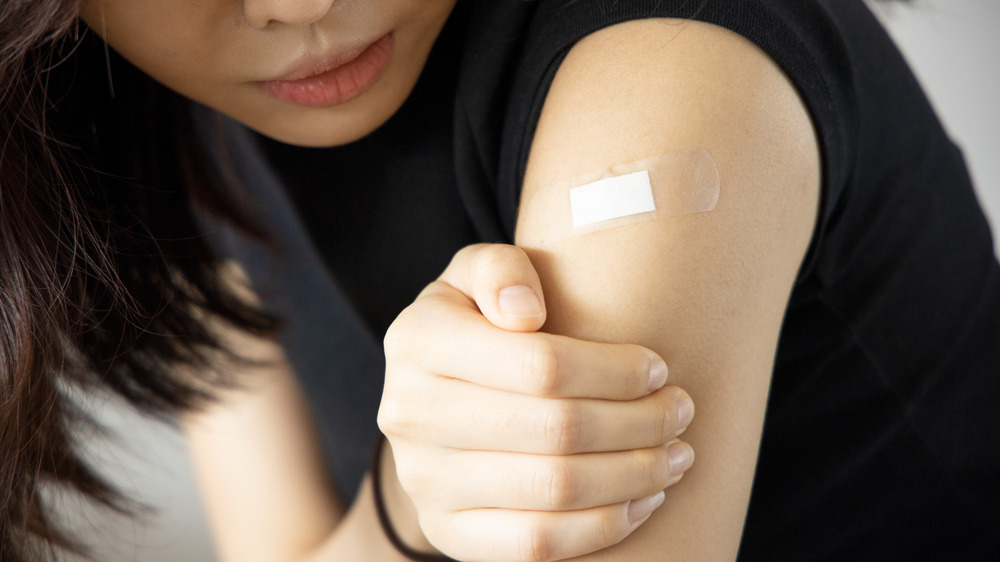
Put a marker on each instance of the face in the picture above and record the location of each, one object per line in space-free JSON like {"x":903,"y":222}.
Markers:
{"x":307,"y":72}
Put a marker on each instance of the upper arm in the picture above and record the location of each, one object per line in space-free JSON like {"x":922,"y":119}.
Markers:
{"x":707,"y":291}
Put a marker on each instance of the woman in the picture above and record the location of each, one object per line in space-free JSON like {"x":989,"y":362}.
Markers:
{"x":843,"y":219}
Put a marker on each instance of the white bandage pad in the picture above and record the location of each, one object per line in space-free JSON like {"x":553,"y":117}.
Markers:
{"x":611,"y":198}
{"x":667,"y":185}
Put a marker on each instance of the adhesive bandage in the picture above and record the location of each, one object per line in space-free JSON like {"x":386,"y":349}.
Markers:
{"x":668,"y":185}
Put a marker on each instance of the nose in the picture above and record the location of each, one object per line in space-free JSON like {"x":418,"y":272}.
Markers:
{"x":261,"y":13}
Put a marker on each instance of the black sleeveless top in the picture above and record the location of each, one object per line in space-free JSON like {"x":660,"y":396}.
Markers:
{"x":882,"y":434}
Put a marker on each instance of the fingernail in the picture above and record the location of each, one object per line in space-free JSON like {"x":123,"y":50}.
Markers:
{"x":519,"y":301}
{"x":685,"y":411}
{"x":681,"y":457}
{"x":657,"y":375}
{"x":640,"y":509}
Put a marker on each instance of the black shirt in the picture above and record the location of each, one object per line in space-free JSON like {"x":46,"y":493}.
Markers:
{"x":882,"y":434}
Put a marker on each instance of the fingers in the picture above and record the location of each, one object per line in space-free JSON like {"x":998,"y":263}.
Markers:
{"x":469,"y":303}
{"x":501,"y":534}
{"x":535,"y":364}
{"x":503,"y":284}
{"x":544,"y":482}
{"x":517,"y":444}
{"x":471,"y":417}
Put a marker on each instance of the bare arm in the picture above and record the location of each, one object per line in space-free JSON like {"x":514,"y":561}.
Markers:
{"x":262,"y":475}
{"x":706,"y":291}
{"x":258,"y":465}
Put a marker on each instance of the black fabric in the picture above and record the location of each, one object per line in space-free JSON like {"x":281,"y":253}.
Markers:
{"x":385,"y":210}
{"x":336,"y":358}
{"x":882,"y":435}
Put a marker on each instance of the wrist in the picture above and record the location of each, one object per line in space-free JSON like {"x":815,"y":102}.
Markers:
{"x":397,"y":514}
{"x":358,"y":536}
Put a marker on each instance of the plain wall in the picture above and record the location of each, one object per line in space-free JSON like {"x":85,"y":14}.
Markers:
{"x":955,"y":51}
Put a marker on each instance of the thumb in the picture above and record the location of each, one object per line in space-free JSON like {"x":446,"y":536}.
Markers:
{"x":500,"y":279}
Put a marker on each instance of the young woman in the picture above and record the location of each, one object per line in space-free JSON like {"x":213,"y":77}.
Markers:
{"x":816,"y":254}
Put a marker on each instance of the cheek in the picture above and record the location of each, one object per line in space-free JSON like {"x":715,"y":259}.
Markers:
{"x":178,"y":42}
{"x":204,"y":50}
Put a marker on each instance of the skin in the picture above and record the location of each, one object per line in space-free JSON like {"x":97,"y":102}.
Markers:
{"x":567,"y":445}
{"x":706,"y":292}
{"x":213,"y":50}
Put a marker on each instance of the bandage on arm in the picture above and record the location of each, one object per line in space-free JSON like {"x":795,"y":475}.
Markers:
{"x":656,"y":187}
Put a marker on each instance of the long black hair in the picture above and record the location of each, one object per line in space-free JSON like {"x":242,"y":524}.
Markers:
{"x":105,"y":277}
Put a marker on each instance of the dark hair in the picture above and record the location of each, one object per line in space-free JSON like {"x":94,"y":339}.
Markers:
{"x":105,"y":277}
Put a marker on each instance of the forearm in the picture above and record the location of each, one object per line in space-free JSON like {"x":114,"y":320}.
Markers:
{"x":263,"y":480}
{"x":257,"y":457}
{"x":360,"y":537}
{"x":266,"y":512}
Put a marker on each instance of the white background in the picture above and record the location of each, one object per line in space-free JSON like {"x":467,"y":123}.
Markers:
{"x":955,"y":51}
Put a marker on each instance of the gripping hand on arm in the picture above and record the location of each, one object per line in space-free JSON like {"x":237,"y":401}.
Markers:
{"x":706,"y":291}
{"x":264,"y":482}
{"x":520,"y":445}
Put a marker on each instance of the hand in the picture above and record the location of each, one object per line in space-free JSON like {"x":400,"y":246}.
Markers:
{"x":515,"y":444}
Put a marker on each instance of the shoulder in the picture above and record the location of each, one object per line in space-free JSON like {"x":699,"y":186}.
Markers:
{"x":659,"y":86}
{"x":513,"y":55}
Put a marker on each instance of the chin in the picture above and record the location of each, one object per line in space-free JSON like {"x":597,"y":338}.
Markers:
{"x":317,"y":132}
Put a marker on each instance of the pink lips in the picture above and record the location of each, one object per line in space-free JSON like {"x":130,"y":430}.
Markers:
{"x":345,"y":80}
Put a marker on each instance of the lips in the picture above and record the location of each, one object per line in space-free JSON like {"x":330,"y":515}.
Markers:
{"x":334,"y":81}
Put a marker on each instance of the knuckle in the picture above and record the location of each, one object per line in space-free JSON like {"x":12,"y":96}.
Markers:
{"x":610,"y":531}
{"x":466,"y":253}
{"x":666,"y":421}
{"x":422,"y":483}
{"x":497,"y":265}
{"x":436,"y":528}
{"x":654,"y":465}
{"x":394,"y":339}
{"x":499,"y":256}
{"x":540,"y":367}
{"x":420,"y":322}
{"x":393,"y":415}
{"x":400,"y":335}
{"x":386,"y":417}
{"x":556,"y":485}
{"x":533,"y":544}
{"x":563,"y":427}
{"x":410,"y":476}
